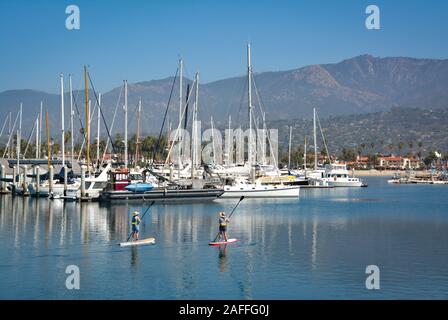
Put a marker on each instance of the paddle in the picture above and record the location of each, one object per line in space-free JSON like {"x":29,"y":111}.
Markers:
{"x":231,"y":213}
{"x":147,"y":209}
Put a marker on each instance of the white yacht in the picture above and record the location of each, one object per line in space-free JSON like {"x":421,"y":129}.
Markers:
{"x":337,"y":175}
{"x":241,"y":187}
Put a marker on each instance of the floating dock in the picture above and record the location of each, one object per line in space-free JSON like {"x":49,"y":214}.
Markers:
{"x":163,"y":195}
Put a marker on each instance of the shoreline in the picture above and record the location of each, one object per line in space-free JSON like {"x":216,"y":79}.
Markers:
{"x":375,"y":173}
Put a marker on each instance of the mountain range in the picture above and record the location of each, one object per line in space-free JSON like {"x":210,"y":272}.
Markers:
{"x":360,"y":85}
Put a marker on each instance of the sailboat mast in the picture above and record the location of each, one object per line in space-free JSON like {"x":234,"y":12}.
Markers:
{"x":37,"y":137}
{"x":87,"y":120}
{"x":126,"y":124}
{"x":40,"y":130}
{"x":9,"y":135}
{"x":213,"y":140}
{"x":48,"y":140}
{"x":181,"y":78}
{"x":315,"y":138}
{"x":98,"y":126}
{"x":194,"y":129}
{"x":137,"y":141}
{"x":19,"y":137}
{"x":62,"y":120}
{"x":304,"y":156}
{"x":72,"y":133}
{"x":289,"y":152}
{"x":229,"y":157}
{"x":249,"y":98}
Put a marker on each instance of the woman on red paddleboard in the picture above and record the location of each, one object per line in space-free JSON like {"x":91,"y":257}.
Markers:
{"x":223,"y":221}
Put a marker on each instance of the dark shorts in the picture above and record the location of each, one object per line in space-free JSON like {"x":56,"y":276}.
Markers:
{"x":222,"y":228}
{"x":135,"y":228}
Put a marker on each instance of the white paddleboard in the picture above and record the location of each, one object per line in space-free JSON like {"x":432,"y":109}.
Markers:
{"x":139,"y":242}
{"x":223,"y":242}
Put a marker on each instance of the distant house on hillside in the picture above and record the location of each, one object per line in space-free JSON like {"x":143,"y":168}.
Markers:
{"x":398,"y":163}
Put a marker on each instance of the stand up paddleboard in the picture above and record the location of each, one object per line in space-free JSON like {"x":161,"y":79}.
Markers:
{"x":223,"y":242}
{"x":139,"y":242}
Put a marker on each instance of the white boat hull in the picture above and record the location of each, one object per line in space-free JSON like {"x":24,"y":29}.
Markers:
{"x":263,"y":192}
{"x":345,"y":183}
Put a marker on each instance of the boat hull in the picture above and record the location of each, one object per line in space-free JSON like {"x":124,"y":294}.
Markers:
{"x":291,"y":192}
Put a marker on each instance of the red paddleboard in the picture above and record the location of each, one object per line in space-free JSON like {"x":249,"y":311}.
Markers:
{"x":223,"y":242}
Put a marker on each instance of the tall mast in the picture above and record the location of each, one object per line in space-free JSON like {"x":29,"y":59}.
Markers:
{"x":37,"y":137}
{"x":137,"y":141}
{"x":213,"y":141}
{"x":9,"y":135}
{"x":315,"y":138}
{"x":98,"y":126}
{"x":62,"y":119}
{"x":87,"y":120}
{"x":304,"y":156}
{"x":19,"y":137}
{"x":72,"y":133}
{"x":48,"y":140}
{"x":229,"y":157}
{"x":194,"y":128}
{"x":289,"y":152}
{"x":40,"y":129}
{"x":125,"y":123}
{"x":249,"y":96}
{"x":181,"y":67}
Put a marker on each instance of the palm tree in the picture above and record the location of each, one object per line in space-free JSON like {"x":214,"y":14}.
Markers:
{"x":400,"y":147}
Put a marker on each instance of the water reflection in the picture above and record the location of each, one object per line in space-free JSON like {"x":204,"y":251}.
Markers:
{"x":222,"y":258}
{"x":287,"y":248}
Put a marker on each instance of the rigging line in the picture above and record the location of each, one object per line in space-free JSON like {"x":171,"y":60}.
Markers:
{"x":108,"y":139}
{"x":323,"y":138}
{"x":260,"y":103}
{"x":29,"y":139}
{"x":79,"y":117}
{"x":4,"y":124}
{"x":132,"y":115}
{"x":11,"y":134}
{"x":156,"y":147}
{"x":84,"y":139}
{"x":230,"y":105}
{"x":179,"y":125}
{"x":113,"y":121}
{"x":101,"y":109}
{"x":243,"y":94}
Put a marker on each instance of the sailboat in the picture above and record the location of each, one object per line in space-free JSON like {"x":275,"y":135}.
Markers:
{"x":240,"y":186}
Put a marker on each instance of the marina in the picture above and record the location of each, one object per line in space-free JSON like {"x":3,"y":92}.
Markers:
{"x":316,"y":247}
{"x":210,"y":152}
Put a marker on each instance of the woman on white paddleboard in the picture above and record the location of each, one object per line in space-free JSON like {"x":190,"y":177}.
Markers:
{"x":223,"y":221}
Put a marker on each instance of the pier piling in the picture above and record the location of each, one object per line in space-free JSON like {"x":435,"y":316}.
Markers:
{"x":50,"y":180}
{"x":3,"y":189}
{"x":37,"y":181}
{"x":65,"y":180}
{"x":24,"y":185}
{"x":83,"y":182}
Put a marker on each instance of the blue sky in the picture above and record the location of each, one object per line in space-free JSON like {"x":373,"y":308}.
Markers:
{"x":141,"y":40}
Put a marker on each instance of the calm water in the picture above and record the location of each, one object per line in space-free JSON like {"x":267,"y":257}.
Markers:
{"x":315,"y":247}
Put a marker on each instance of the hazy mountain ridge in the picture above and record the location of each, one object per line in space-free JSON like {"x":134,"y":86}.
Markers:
{"x":398,"y":130}
{"x":364,"y":84}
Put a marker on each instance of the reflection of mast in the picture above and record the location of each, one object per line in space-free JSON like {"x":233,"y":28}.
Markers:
{"x":314,"y":244}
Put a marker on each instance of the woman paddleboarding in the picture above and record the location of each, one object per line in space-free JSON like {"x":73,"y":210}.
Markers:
{"x":223,"y":221}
